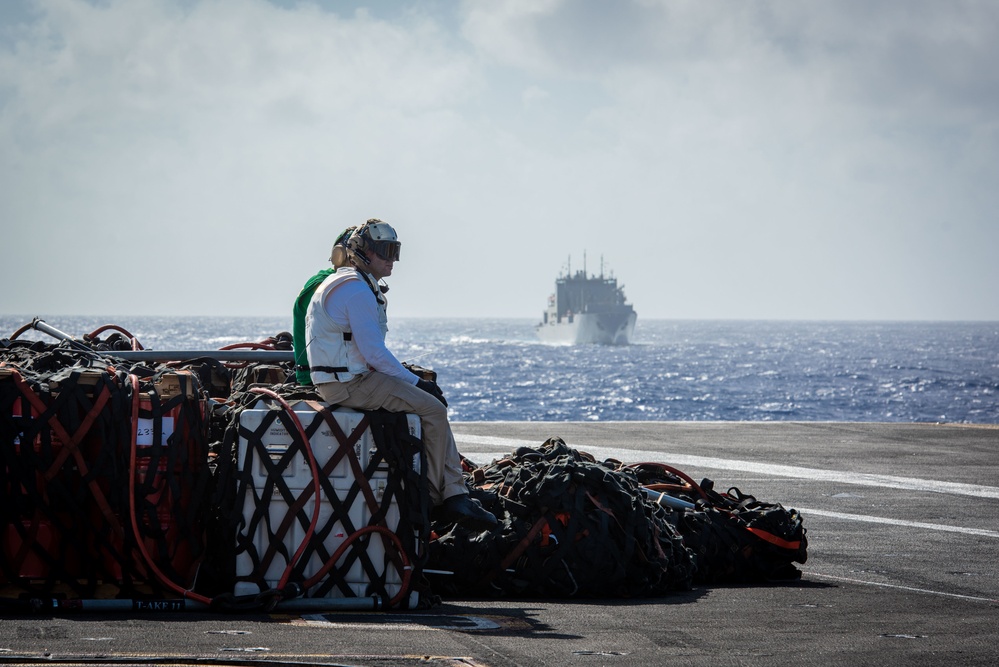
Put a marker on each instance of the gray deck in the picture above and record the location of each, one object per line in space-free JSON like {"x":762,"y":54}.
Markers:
{"x":903,"y":542}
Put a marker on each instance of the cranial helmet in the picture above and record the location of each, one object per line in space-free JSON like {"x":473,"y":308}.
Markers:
{"x":376,"y":237}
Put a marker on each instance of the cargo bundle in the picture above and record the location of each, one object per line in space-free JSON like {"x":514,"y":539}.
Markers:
{"x":102,"y":475}
{"x":571,"y":526}
{"x":366,"y":536}
{"x":139,"y":483}
{"x":212,"y":480}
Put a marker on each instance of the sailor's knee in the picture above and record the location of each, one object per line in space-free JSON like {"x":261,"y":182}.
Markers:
{"x":436,"y":410}
{"x":425,"y":405}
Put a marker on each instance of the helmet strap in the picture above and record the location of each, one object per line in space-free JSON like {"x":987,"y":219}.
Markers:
{"x":375,"y":288}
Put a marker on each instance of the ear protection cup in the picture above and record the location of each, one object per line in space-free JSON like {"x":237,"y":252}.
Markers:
{"x":339,"y":256}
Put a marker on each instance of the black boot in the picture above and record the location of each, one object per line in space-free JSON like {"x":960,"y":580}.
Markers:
{"x":465,"y":510}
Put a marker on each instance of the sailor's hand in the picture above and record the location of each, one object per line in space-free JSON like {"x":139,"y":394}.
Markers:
{"x":432,"y":389}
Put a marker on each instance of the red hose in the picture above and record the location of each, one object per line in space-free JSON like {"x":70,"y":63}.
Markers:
{"x":131,"y":504}
{"x":252,"y":346}
{"x":136,"y":345}
{"x":316,"y":486}
{"x":238,"y":346}
{"x":21,"y":330}
{"x":678,"y":473}
{"x":407,"y":569}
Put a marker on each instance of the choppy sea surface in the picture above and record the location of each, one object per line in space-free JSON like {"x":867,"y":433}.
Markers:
{"x":495,"y":370}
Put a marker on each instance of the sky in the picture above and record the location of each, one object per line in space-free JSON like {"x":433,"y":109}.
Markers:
{"x":784,"y":160}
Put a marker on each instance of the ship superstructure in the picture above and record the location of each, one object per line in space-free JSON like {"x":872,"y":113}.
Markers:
{"x":587,"y":309}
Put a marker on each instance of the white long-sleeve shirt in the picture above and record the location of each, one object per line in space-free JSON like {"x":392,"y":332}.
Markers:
{"x":353,"y":307}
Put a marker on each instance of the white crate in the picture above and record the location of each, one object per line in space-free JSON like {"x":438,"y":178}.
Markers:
{"x":298,"y":477}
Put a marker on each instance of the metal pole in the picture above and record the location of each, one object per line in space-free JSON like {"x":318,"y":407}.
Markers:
{"x":40,"y":325}
{"x":668,"y":501}
{"x":187,"y":355}
{"x":182,"y":604}
{"x":275,"y":356}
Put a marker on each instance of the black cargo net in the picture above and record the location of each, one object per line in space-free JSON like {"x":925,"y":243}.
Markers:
{"x":366,"y":536}
{"x":733,"y":537}
{"x":571,"y":526}
{"x":103,"y":477}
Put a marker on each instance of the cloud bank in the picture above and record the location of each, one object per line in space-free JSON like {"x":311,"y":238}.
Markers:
{"x":771,"y":160}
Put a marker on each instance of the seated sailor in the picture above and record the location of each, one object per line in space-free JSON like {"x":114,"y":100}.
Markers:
{"x":345,"y":326}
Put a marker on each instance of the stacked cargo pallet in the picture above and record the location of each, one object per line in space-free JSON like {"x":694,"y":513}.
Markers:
{"x":113,"y":488}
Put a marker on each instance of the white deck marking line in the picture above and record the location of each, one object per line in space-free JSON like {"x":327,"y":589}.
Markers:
{"x":900,"y":522}
{"x":772,"y":469}
{"x":474,"y":623}
{"x":900,"y":587}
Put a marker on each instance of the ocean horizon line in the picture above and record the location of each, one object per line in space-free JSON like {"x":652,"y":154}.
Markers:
{"x":510,"y":318}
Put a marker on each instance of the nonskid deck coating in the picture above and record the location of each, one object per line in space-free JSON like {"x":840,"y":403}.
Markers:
{"x":901,"y":570}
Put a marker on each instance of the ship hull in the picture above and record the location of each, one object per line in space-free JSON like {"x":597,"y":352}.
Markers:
{"x":605,"y":328}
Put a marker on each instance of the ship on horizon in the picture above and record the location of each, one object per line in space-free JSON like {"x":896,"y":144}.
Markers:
{"x":587,"y":309}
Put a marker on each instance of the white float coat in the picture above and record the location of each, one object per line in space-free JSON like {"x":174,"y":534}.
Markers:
{"x":346,"y":303}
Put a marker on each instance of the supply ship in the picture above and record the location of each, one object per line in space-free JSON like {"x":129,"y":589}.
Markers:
{"x":587,"y":309}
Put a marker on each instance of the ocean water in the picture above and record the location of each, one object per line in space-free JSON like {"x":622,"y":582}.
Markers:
{"x":495,"y":370}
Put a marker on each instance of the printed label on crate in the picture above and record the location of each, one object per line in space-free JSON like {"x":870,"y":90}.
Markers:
{"x":145,"y":429}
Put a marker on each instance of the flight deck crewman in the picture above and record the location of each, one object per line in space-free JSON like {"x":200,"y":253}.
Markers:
{"x":302,"y":375}
{"x":345,"y":327}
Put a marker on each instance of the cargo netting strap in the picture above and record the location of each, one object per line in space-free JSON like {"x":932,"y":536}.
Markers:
{"x":57,"y":515}
{"x":170,"y":480}
{"x":392,"y":493}
{"x":280,"y":549}
{"x":69,"y":493}
{"x":400,"y":449}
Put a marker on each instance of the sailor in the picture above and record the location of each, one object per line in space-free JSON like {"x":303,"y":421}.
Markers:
{"x":302,"y":374}
{"x":345,"y":326}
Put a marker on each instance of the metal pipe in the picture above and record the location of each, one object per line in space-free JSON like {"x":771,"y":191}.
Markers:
{"x":40,"y":325}
{"x":59,"y":605}
{"x":275,"y":356}
{"x":183,"y":604}
{"x":668,"y":501}
{"x":187,"y":355}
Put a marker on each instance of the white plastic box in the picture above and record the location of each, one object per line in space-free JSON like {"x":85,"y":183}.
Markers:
{"x":296,"y":475}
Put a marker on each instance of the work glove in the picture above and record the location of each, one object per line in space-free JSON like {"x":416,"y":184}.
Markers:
{"x":432,"y":389}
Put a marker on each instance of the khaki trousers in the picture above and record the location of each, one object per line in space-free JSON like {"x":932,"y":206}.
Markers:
{"x":375,"y":390}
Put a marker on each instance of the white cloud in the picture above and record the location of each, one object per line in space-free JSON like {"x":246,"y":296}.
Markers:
{"x":767,"y":159}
